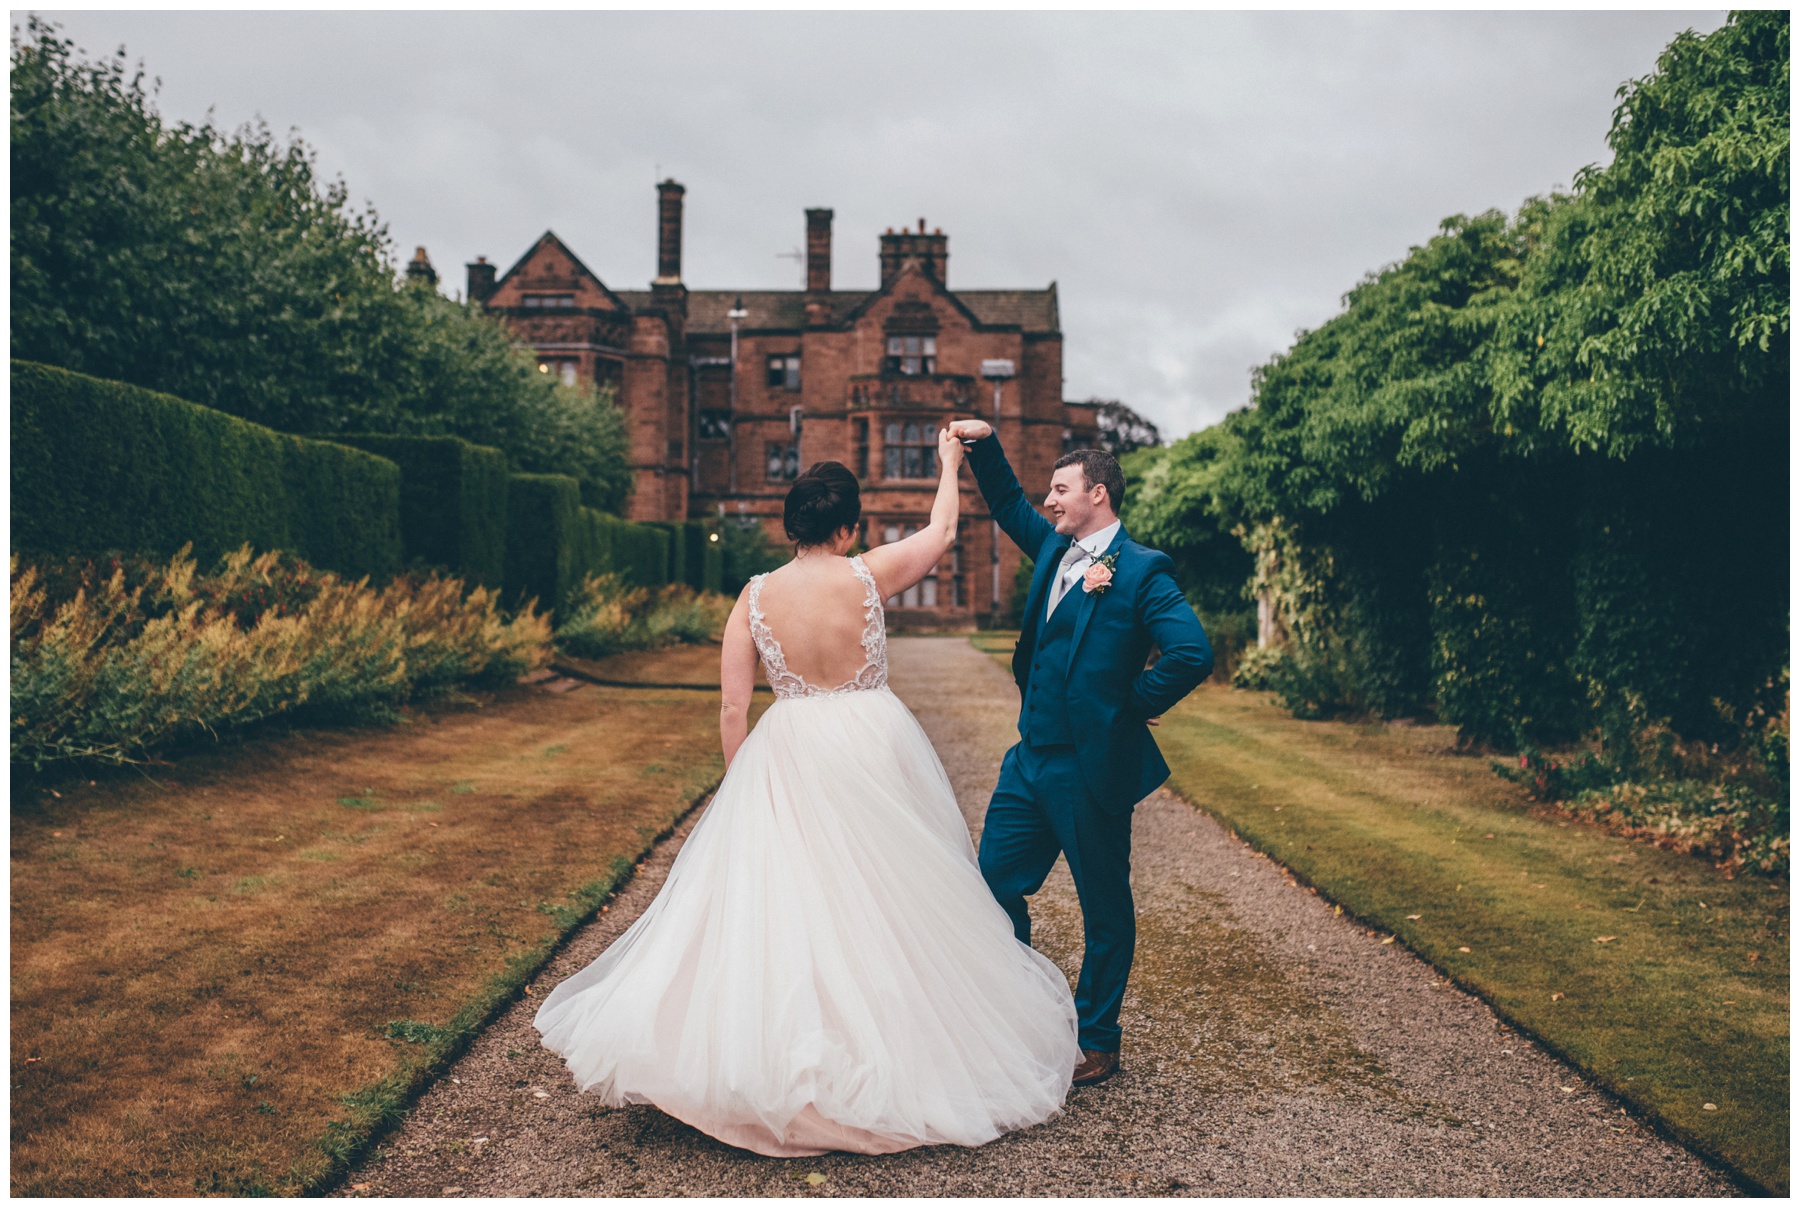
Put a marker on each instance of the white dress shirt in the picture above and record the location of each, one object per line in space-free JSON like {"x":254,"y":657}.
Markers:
{"x":1084,"y":551}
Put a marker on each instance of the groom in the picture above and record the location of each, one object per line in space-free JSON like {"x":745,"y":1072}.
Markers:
{"x":1099,"y":602}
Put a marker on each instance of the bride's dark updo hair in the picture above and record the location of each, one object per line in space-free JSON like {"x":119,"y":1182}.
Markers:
{"x":822,"y":501}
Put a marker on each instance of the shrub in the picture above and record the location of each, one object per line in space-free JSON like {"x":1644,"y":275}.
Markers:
{"x":138,"y":658}
{"x":452,"y":502}
{"x":541,"y":513}
{"x":101,"y":465}
{"x":640,"y":553}
{"x":605,"y":615}
{"x":705,"y":567}
{"x":747,"y":551}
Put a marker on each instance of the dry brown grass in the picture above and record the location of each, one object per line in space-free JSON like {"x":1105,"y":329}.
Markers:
{"x":205,"y":965}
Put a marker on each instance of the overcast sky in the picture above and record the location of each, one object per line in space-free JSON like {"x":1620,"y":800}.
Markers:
{"x":1199,"y":185}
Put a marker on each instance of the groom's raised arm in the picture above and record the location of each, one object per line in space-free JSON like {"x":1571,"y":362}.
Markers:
{"x":1006,"y":499}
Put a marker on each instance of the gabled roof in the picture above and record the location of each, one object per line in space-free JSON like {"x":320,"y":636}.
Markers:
{"x":1032,"y":310}
{"x":551,"y":238}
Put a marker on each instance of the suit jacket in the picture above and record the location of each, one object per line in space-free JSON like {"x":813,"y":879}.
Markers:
{"x":1110,"y":693}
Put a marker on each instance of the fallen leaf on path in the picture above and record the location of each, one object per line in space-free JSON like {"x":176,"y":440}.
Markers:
{"x":359,"y":1186}
{"x":1754,"y":956}
{"x":814,"y":1179}
{"x":1605,"y":939}
{"x":1337,"y":910}
{"x":1567,"y":1090}
{"x":1415,"y":916}
{"x":1462,"y":950}
{"x":1709,"y":1107}
{"x":1388,"y":940}
{"x":1557,"y":997}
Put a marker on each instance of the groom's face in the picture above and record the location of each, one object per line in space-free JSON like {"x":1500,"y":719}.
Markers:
{"x":1072,"y":504}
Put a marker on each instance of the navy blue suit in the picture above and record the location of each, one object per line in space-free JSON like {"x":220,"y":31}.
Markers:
{"x":1087,"y":757}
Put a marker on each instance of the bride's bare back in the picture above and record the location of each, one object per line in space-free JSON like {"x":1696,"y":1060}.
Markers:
{"x":817,"y":609}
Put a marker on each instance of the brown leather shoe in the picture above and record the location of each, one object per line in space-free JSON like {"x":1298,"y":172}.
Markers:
{"x":1096,"y":1066}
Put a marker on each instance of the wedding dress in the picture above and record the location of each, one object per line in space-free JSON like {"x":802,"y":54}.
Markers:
{"x":825,"y":967}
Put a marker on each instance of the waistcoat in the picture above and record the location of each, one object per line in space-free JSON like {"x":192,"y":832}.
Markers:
{"x":1045,"y":718}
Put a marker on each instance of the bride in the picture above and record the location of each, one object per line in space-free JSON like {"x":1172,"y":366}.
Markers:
{"x":825,"y":967}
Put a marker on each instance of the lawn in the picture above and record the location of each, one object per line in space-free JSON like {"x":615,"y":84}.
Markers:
{"x":228,"y":973}
{"x":1658,"y":977}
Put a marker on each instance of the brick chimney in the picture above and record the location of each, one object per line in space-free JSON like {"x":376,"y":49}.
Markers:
{"x":932,"y":251}
{"x":419,"y":269}
{"x":668,"y":233}
{"x":818,"y":251}
{"x":481,"y":280}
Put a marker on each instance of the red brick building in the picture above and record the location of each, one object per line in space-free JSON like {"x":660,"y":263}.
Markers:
{"x":730,"y":393}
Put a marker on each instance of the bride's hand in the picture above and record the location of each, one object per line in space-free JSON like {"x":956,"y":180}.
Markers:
{"x":950,"y":449}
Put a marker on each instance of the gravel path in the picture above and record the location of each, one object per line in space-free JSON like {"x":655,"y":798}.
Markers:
{"x":1271,"y":1048}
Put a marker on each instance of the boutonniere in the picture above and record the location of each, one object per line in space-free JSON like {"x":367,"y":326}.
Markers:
{"x":1098,"y":576}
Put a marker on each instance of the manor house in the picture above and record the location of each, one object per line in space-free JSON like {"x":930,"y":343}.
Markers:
{"x":729,"y":393}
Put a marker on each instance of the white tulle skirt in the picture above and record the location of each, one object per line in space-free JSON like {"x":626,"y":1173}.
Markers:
{"x":825,"y":968}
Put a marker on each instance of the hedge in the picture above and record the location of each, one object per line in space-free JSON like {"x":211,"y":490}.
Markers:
{"x":552,"y":541}
{"x":452,"y":502}
{"x":640,"y":552}
{"x":705,"y":566}
{"x":100,"y":465}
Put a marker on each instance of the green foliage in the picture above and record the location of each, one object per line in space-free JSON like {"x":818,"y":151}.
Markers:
{"x":606,"y":615}
{"x":114,"y":659}
{"x":1533,"y":477}
{"x":101,"y":465}
{"x":1656,"y":310}
{"x":553,"y":542}
{"x":1172,"y":503}
{"x":541,"y":513}
{"x":748,"y":552}
{"x":705,"y":566}
{"x":452,"y":502}
{"x":215,"y":267}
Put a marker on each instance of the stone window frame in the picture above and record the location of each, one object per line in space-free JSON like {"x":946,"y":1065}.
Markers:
{"x":783,"y":371}
{"x":897,"y":443}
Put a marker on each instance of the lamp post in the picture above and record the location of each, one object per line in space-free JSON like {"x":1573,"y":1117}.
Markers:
{"x":996,"y":372}
{"x":735,"y":314}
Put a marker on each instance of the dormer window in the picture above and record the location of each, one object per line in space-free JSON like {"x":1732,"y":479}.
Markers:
{"x":550,"y":301}
{"x":912,"y":355}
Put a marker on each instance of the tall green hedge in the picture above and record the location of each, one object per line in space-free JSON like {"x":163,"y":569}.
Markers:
{"x":541,"y":513}
{"x":99,"y":465}
{"x":640,"y":552}
{"x":452,"y":502}
{"x":705,"y":566}
{"x":552,"y":541}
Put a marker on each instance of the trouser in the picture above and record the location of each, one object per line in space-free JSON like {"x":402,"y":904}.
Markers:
{"x":1040,"y":807}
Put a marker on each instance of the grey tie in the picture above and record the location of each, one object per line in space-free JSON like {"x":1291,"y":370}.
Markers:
{"x":1060,"y":588}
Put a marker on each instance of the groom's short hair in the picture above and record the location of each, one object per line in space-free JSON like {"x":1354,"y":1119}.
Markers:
{"x":1098,"y":468}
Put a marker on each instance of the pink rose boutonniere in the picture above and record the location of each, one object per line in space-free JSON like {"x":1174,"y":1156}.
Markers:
{"x":1098,"y":576}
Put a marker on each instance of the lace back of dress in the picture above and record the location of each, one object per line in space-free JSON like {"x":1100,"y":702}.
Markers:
{"x":874,"y":643}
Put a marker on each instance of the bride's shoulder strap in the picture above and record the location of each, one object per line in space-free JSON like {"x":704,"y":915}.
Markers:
{"x":864,"y":574}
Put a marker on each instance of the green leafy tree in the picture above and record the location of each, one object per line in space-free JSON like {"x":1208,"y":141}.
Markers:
{"x":217,"y":267}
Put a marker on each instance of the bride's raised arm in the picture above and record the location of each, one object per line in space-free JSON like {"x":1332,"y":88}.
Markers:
{"x":899,"y":564}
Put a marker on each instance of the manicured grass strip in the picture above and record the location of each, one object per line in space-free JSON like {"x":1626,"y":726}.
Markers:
{"x":205,"y":966}
{"x":431,"y":1050}
{"x":1661,"y":980}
